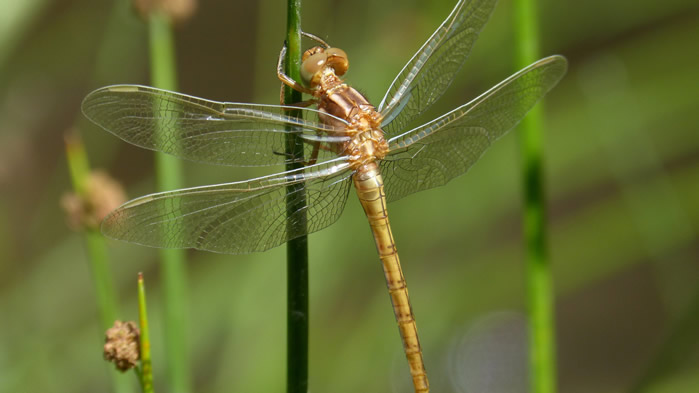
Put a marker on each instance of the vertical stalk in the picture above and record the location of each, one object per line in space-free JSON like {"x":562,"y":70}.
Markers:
{"x":169,"y":177}
{"x":146,"y":372}
{"x":97,"y":252}
{"x":540,"y":297}
{"x":297,"y":249}
{"x":96,"y":249}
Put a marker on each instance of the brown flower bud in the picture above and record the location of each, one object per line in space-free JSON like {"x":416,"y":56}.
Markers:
{"x":122,"y":345}
{"x":103,"y":194}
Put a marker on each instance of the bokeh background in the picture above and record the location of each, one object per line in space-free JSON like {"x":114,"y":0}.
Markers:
{"x":622,"y":155}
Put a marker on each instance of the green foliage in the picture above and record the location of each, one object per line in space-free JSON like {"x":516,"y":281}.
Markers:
{"x":621,"y":176}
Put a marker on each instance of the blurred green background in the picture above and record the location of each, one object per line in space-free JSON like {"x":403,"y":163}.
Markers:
{"x":622,"y":154}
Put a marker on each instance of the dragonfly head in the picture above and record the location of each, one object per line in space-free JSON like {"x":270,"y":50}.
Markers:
{"x":316,"y":59}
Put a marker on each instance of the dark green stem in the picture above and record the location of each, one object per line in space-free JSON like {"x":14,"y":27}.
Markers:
{"x":169,"y":177}
{"x":297,"y":249}
{"x":540,"y":297}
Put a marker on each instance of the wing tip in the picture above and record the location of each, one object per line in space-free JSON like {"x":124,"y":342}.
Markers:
{"x":556,"y":59}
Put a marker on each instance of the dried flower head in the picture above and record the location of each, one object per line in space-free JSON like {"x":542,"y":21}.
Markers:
{"x":177,"y":10}
{"x":122,"y":345}
{"x":103,"y":194}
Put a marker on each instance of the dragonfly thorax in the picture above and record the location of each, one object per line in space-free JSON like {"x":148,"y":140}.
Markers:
{"x":366,"y":145}
{"x":361,"y":122}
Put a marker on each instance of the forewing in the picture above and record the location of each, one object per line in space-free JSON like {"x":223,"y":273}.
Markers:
{"x":431,"y":70}
{"x":206,"y":131}
{"x":236,"y":218}
{"x":434,"y":153}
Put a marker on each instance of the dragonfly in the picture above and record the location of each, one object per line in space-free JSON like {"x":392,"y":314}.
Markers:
{"x":345,"y":141}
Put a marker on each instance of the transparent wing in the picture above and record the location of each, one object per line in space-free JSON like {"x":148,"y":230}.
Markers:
{"x":434,"y":153}
{"x":206,"y":131}
{"x":431,"y":70}
{"x":236,"y":218}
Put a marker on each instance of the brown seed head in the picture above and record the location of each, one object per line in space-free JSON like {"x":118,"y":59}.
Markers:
{"x":103,"y":194}
{"x":178,"y":10}
{"x":122,"y":345}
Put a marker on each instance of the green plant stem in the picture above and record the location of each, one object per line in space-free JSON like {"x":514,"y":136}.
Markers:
{"x":169,"y":177}
{"x":297,"y":249}
{"x":97,"y":251}
{"x":146,"y":372}
{"x":98,"y":257}
{"x":540,"y":296}
{"x":101,"y":276}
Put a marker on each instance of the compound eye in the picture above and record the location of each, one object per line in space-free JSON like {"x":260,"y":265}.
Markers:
{"x":312,"y":51}
{"x":312,"y":65}
{"x":337,"y":59}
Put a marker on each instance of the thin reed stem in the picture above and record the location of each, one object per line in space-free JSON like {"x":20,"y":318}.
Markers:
{"x":297,"y":249}
{"x":98,"y":258}
{"x":169,"y":177}
{"x":540,"y":296}
{"x":97,"y":251}
{"x":146,"y":372}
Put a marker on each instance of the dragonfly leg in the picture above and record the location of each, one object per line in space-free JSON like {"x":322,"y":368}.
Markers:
{"x":316,"y":39}
{"x":300,"y":104}
{"x":286,"y":79}
{"x":317,"y":147}
{"x":287,"y":155}
{"x":314,"y":154}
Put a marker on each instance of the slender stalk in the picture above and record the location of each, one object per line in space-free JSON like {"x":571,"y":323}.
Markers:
{"x":297,"y":249}
{"x":97,"y":252}
{"x":540,"y":297}
{"x":96,"y":249}
{"x":169,"y":177}
{"x":146,"y":372}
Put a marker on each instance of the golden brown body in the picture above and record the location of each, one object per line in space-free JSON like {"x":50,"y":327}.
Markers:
{"x":365,"y":148}
{"x":369,"y":185}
